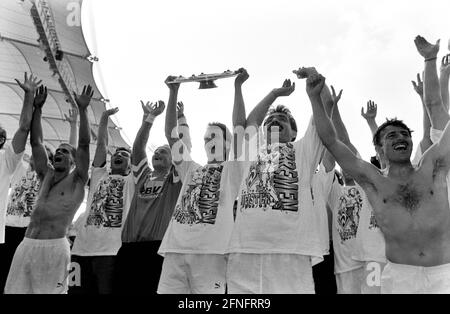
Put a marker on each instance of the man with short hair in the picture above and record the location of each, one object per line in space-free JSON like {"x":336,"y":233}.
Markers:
{"x":99,"y":228}
{"x":10,"y":157}
{"x":138,"y":266}
{"x":277,"y":236}
{"x":40,"y":264}
{"x":410,"y":203}
{"x":195,"y":242}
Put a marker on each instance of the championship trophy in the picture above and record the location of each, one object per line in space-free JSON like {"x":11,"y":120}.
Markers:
{"x":206,"y":80}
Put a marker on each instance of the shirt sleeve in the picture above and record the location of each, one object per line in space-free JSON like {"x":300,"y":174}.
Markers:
{"x":97,"y":173}
{"x":235,"y":174}
{"x":334,"y":194}
{"x":327,"y":181}
{"x":12,"y":159}
{"x":311,"y":149}
{"x":182,"y":162}
{"x":435,"y":135}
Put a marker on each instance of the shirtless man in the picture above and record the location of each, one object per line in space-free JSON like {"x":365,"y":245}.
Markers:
{"x":41,"y":261}
{"x":410,"y":203}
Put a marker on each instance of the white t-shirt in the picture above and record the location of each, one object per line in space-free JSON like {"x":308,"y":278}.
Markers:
{"x":346,"y":203}
{"x":22,"y":199}
{"x":8,"y":163}
{"x":202,"y":220}
{"x":275,"y":213}
{"x":370,"y":243}
{"x":100,"y":228}
{"x":321,"y":188}
{"x":435,"y":136}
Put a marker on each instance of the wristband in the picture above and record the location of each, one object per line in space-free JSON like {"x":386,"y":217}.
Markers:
{"x":430,"y":59}
{"x":150,"y":118}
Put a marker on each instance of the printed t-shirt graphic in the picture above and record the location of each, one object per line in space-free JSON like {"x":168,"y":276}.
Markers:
{"x":272,"y":181}
{"x":22,"y":200}
{"x":346,"y":203}
{"x":349,"y":207}
{"x":8,"y":164}
{"x":199,"y":203}
{"x":202,"y":220}
{"x":275,"y":213}
{"x":100,"y":227}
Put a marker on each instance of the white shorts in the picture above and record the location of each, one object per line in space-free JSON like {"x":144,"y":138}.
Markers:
{"x":349,"y":282}
{"x":39,"y":267}
{"x":371,"y":283}
{"x":407,"y":279}
{"x":193,"y":274}
{"x":269,"y":274}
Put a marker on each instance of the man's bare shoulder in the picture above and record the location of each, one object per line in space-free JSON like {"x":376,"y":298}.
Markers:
{"x":369,"y":177}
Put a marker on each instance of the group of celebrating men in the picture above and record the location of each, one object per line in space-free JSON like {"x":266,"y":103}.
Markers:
{"x":255,"y":219}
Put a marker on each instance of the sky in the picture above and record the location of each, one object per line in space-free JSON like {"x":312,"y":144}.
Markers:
{"x":365,"y":48}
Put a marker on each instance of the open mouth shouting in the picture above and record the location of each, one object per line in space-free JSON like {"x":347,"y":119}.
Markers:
{"x":274,"y":124}
{"x":400,"y":146}
{"x":58,"y":158}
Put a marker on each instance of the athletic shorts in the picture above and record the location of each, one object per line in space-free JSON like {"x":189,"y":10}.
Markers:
{"x":349,"y":282}
{"x":407,"y":279}
{"x":39,"y":267}
{"x":269,"y":274}
{"x":193,"y":274}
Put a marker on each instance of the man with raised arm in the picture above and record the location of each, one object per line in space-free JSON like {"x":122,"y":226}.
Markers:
{"x":99,"y":229}
{"x":10,"y":157}
{"x":138,"y":266}
{"x":277,"y":231}
{"x":435,"y":91}
{"x":196,"y":239}
{"x":410,"y":203}
{"x":444,"y":81}
{"x":40,"y":264}
{"x":23,"y":198}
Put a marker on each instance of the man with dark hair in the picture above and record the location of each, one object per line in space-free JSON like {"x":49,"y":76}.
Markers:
{"x":196,"y":239}
{"x":390,"y":122}
{"x":40,"y":264}
{"x":99,"y":228}
{"x":410,"y":203}
{"x":138,"y":264}
{"x":281,"y":109}
{"x":10,"y":157}
{"x":277,"y":232}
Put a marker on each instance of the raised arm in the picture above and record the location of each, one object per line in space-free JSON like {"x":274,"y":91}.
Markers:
{"x":72,"y":118}
{"x":84,"y":134}
{"x":443,"y":81}
{"x":171,"y":113}
{"x":257,"y":115}
{"x":325,"y":95}
{"x":102,"y":138}
{"x":40,"y":157}
{"x":339,"y":125}
{"x":370,"y":116}
{"x":439,"y":154}
{"x":239,"y":120}
{"x":151,"y":111}
{"x":183,"y":127}
{"x":360,"y":170}
{"x":29,"y":86}
{"x":432,"y":92}
{"x":426,"y":142}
